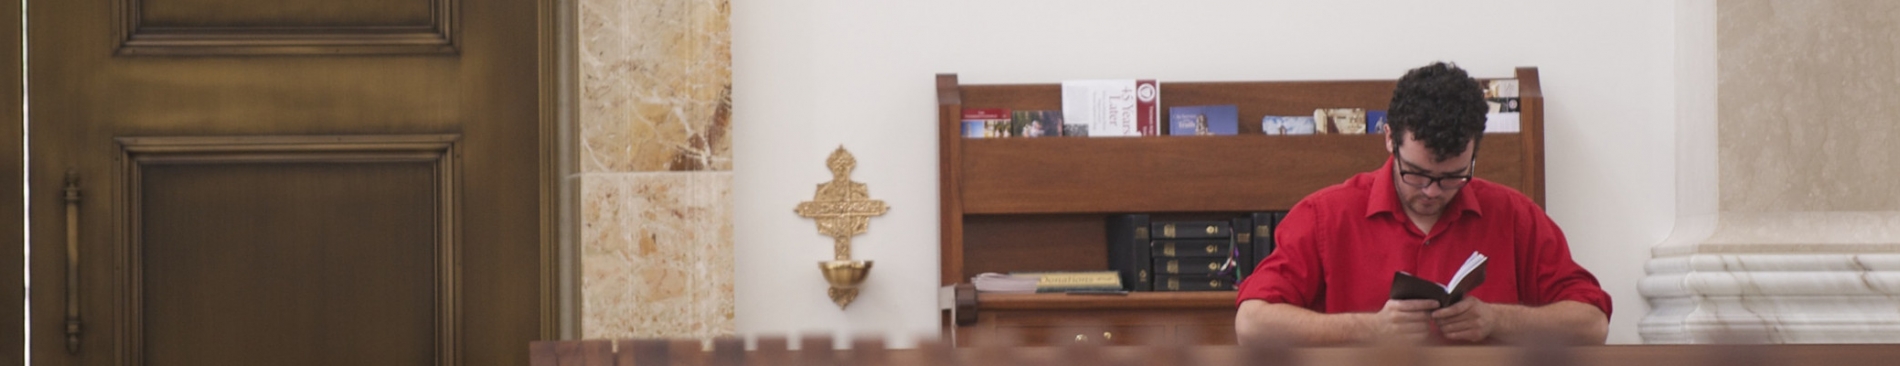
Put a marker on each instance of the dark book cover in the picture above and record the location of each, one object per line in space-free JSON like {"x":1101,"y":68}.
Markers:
{"x":1241,"y":256}
{"x":1190,"y":229}
{"x":1262,"y":245}
{"x":1177,"y":248}
{"x":1193,"y":283}
{"x":1405,"y":286}
{"x":1129,"y":252}
{"x":1205,"y":266}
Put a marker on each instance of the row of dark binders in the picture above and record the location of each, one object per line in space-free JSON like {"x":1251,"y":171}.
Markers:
{"x":1188,"y":255}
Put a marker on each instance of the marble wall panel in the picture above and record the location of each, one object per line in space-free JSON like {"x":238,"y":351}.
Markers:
{"x":655,"y":85}
{"x":1808,"y":95}
{"x":656,"y":255}
{"x":655,"y":161}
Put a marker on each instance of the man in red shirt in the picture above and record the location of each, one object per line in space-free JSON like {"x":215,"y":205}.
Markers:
{"x":1422,"y":213}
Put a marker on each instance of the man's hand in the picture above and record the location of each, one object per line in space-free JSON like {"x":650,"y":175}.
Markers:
{"x":1470,"y":320}
{"x":1408,"y":320}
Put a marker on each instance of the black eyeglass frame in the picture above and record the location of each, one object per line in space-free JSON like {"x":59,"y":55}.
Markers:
{"x":1461,"y":180}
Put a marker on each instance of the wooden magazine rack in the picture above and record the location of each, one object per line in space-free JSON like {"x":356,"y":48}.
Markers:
{"x":1039,"y":204}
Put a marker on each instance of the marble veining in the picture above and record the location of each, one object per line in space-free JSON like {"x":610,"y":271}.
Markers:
{"x":1775,"y":297}
{"x":655,"y":85}
{"x":656,"y":255}
{"x":654,"y":153}
{"x":1816,"y":319}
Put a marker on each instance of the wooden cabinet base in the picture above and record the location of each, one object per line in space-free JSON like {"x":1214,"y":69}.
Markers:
{"x":1142,"y":318}
{"x":1107,"y":327}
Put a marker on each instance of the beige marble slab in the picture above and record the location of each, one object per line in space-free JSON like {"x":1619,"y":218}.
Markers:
{"x":655,"y":85}
{"x":656,"y":255}
{"x":1807,"y":99}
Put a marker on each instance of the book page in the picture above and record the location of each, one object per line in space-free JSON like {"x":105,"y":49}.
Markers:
{"x":1473,"y":262}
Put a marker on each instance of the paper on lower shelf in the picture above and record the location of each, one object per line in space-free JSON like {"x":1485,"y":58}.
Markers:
{"x":998,"y":282}
{"x":1501,"y":123}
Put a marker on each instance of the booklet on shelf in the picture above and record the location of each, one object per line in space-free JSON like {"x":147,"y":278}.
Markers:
{"x":1118,"y":107}
{"x":1203,"y":120}
{"x":1287,"y":125}
{"x":980,"y":123}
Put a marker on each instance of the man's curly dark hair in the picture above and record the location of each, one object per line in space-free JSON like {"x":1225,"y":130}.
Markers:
{"x":1441,"y":106}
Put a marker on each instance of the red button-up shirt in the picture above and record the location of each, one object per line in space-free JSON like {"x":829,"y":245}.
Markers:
{"x":1337,"y":249}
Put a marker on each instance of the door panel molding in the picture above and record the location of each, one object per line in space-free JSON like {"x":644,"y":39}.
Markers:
{"x":135,"y":37}
{"x":136,"y":154}
{"x":560,"y":215}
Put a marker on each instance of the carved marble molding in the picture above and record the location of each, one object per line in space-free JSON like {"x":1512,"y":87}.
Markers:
{"x":1786,"y":277}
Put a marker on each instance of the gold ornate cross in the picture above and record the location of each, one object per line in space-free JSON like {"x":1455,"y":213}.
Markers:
{"x":841,"y":207}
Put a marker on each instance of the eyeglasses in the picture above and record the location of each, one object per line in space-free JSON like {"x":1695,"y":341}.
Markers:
{"x":1422,"y":180}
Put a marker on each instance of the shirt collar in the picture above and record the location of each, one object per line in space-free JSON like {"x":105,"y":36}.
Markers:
{"x":1385,"y":196}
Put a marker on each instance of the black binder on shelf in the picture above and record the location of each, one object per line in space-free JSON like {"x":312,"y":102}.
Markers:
{"x":1128,"y":251}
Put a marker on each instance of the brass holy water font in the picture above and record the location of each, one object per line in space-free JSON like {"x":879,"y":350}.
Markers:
{"x":842,"y":209}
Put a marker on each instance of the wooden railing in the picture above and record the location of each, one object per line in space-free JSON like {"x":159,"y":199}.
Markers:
{"x":818,"y":351}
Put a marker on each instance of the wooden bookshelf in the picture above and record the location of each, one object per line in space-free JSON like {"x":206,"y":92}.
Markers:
{"x":1039,"y":204}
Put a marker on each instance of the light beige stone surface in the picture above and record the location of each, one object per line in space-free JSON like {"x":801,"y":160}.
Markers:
{"x":655,"y":157}
{"x":655,"y":85}
{"x":1803,"y":248}
{"x":657,"y":255}
{"x":1808,"y":100}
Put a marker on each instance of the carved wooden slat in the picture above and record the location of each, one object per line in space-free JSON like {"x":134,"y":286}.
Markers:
{"x":136,"y":35}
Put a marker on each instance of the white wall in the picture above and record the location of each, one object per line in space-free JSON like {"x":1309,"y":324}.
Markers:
{"x":811,"y":75}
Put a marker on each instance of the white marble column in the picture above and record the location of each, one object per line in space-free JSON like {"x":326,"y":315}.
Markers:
{"x":1790,"y":231}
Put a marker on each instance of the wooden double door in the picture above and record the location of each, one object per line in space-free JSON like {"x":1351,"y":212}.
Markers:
{"x":291,"y":182}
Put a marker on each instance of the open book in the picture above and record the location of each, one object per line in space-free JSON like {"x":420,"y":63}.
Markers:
{"x":1405,"y":286}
